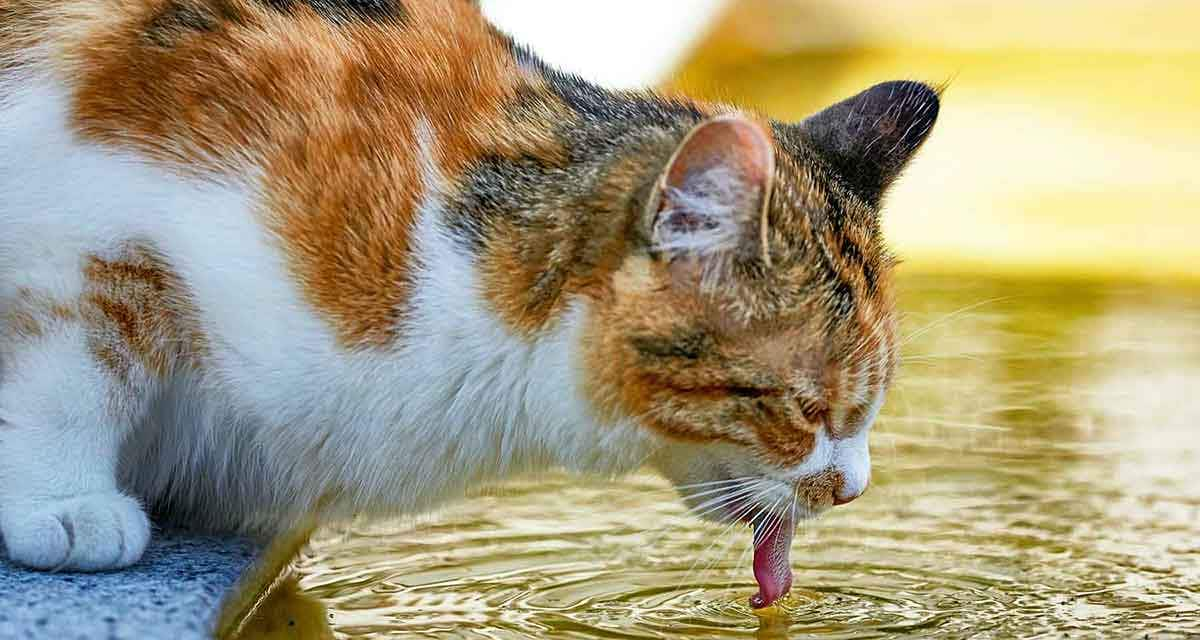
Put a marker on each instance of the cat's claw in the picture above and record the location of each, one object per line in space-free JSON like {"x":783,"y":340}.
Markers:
{"x":97,"y":532}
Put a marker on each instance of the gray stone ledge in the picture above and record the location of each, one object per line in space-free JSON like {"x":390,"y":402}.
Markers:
{"x":173,"y":593}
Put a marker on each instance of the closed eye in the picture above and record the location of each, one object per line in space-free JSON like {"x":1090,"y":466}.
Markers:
{"x":723,"y":390}
{"x":750,"y":392}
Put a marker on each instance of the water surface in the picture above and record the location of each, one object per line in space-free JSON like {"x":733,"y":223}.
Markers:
{"x":1037,"y":472}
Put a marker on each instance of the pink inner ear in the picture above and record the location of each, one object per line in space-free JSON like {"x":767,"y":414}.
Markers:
{"x":731,"y":142}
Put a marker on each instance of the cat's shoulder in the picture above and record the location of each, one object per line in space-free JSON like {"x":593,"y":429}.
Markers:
{"x":164,"y":23}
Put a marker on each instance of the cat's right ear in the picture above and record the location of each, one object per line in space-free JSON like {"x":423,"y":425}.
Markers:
{"x":711,"y":198}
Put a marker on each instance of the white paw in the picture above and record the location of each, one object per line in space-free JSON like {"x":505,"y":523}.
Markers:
{"x":94,"y":532}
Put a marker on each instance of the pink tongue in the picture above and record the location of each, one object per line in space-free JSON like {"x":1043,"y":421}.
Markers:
{"x":772,"y":566}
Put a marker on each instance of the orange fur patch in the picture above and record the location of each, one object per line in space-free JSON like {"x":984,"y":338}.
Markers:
{"x":136,"y":311}
{"x":330,"y":114}
{"x":133,"y":309}
{"x":22,"y":23}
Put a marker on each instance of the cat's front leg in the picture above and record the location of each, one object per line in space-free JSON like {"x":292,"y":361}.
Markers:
{"x":63,"y":415}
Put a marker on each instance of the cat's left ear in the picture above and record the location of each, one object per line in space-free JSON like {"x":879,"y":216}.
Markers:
{"x":868,"y":138}
{"x":711,"y":198}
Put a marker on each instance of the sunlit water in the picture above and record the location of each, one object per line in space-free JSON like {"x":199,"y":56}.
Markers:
{"x":1037,"y":472}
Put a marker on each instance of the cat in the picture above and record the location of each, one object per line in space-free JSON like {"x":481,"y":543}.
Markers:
{"x":260,"y":258}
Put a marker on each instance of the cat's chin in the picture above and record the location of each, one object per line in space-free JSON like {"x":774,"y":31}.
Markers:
{"x":719,"y":485}
{"x":602,"y":449}
{"x":725,"y":507}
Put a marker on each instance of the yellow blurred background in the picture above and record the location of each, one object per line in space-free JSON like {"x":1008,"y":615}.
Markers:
{"x":1068,"y":140}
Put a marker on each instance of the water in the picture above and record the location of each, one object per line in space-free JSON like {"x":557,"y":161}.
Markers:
{"x":1037,"y":473}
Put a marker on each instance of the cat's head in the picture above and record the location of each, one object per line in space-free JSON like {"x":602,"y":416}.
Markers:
{"x":752,"y":328}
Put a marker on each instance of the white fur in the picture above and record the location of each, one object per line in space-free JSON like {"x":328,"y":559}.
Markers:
{"x":703,"y":217}
{"x":61,"y":430}
{"x":852,"y":458}
{"x":280,"y":418}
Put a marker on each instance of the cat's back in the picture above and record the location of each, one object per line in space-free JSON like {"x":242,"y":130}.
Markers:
{"x":296,"y":138}
{"x":201,"y":82}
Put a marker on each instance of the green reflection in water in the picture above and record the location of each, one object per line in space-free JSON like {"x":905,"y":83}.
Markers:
{"x":1035,"y":472}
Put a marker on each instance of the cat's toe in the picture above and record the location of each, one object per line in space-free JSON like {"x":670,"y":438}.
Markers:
{"x":85,"y":533}
{"x":39,"y":541}
{"x":135,"y":531}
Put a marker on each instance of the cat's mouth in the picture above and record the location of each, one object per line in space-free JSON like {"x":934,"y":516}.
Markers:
{"x":773,"y":515}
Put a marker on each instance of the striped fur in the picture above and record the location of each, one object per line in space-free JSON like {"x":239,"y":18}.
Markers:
{"x":365,"y":254}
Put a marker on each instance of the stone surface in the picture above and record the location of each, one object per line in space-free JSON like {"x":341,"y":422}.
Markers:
{"x":174,"y":592}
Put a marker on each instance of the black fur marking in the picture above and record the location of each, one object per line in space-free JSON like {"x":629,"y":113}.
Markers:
{"x":842,"y":301}
{"x":497,"y":185}
{"x":180,"y":18}
{"x":835,"y":216}
{"x":597,"y":106}
{"x":608,"y":127}
{"x":844,"y":208}
{"x":839,"y":294}
{"x":851,"y":253}
{"x":344,"y":12}
{"x":691,"y":345}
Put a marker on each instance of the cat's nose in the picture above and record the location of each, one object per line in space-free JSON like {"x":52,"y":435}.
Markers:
{"x":844,"y":494}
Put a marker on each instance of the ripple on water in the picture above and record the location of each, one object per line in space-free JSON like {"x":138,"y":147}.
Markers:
{"x":1015,"y":494}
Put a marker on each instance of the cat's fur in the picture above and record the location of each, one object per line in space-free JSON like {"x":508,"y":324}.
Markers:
{"x":260,"y":257}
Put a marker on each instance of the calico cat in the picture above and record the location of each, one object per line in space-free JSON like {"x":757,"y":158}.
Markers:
{"x":265,"y":257}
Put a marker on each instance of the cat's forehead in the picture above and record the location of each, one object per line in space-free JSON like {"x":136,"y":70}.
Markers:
{"x":808,"y":198}
{"x":813,"y":342}
{"x":827,"y":249}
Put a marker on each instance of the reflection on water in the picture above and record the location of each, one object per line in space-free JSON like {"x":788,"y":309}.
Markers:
{"x":1035,"y":474}
{"x":287,"y":613}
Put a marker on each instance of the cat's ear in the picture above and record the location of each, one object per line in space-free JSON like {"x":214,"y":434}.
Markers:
{"x":870,"y":137}
{"x":711,"y":197}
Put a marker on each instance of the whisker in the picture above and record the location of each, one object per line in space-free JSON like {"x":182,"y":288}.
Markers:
{"x":948,"y":317}
{"x":940,"y":357}
{"x":735,"y":519}
{"x":724,"y":499}
{"x":711,"y":504}
{"x":972,"y":426}
{"x":770,"y":526}
{"x":712,"y":562}
{"x":737,"y":567}
{"x":750,"y":486}
{"x":705,"y":492}
{"x":682,"y":490}
{"x":715,"y":482}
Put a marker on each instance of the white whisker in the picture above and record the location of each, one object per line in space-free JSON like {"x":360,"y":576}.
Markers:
{"x":948,"y":317}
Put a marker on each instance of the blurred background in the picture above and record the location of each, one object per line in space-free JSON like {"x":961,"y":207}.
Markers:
{"x":1068,"y":141}
{"x":1035,"y":466}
